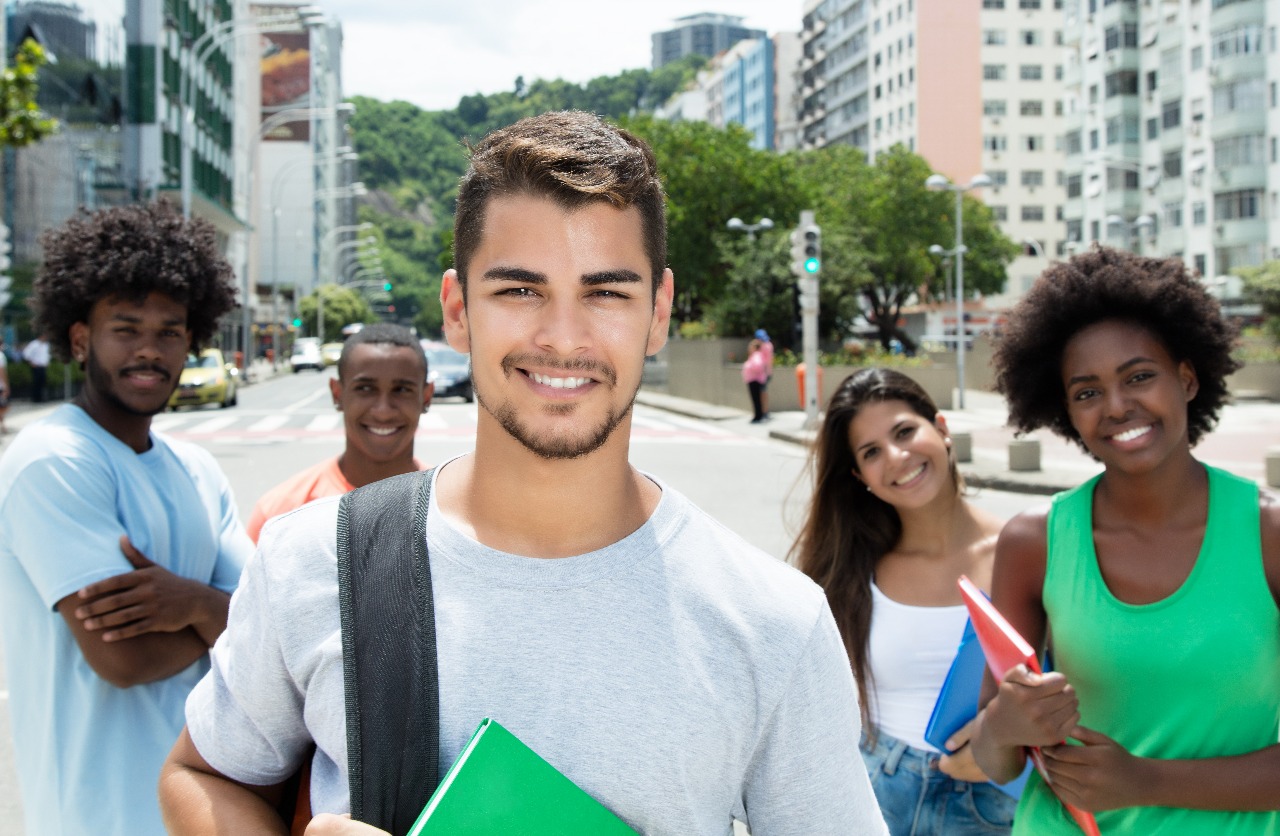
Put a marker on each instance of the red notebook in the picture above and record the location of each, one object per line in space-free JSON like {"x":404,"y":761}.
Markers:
{"x":1005,"y":649}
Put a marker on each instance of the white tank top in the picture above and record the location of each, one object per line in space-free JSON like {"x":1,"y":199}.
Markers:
{"x":911,"y":650}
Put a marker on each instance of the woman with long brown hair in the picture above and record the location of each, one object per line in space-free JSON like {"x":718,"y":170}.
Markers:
{"x":888,"y":533}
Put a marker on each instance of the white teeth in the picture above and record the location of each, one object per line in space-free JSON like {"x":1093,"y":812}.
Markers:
{"x":560,"y":382}
{"x":913,"y":474}
{"x":1130,"y":435}
{"x":381,"y":430}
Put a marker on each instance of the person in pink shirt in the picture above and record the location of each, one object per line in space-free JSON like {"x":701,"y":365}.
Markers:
{"x":766,"y":347}
{"x":755,"y":373}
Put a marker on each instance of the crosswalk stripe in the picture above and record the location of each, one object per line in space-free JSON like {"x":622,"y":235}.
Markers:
{"x":271,"y":422}
{"x":324,"y":423}
{"x":213,"y":425}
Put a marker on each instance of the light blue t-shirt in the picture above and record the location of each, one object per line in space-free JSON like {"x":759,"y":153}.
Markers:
{"x":89,"y":753}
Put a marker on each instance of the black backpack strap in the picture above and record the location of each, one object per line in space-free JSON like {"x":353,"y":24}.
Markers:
{"x":389,"y":650}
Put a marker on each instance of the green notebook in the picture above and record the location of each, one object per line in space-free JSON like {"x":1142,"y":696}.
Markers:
{"x":498,"y":785}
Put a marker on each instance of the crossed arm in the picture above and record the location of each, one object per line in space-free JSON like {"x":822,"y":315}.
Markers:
{"x":144,"y":625}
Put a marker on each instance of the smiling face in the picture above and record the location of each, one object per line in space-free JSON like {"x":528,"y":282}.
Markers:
{"x":901,"y":456}
{"x":133,"y":354}
{"x":382,"y":394}
{"x":1126,"y":395}
{"x":558,"y":316}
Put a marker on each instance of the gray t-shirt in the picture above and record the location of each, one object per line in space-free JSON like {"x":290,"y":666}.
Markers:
{"x":680,"y":676}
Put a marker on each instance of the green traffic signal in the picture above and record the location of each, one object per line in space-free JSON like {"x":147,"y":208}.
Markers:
{"x":811,"y":265}
{"x":386,"y":286}
{"x":297,"y":322}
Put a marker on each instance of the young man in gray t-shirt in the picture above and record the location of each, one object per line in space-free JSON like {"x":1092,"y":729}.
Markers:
{"x":677,"y":674}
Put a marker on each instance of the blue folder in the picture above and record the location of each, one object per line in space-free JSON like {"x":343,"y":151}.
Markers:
{"x":958,"y":701}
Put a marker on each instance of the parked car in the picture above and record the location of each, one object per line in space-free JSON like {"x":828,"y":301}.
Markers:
{"x":306,"y":355}
{"x":449,"y":370}
{"x":330,"y":352}
{"x":207,"y":378}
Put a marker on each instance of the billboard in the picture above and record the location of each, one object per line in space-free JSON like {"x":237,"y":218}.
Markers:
{"x":285,"y":65}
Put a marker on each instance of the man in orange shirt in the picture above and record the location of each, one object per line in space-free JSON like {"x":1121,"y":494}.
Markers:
{"x":381,"y":391}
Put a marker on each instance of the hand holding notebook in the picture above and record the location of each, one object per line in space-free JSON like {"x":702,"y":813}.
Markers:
{"x":1005,"y":649}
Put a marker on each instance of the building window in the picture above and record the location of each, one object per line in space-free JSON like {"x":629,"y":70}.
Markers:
{"x":1028,"y":4}
{"x":1122,"y":83}
{"x":1199,"y":262}
{"x":1173,"y":215}
{"x":1197,"y":213}
{"x":1172,"y":167}
{"x":1031,"y":72}
{"x":1247,"y":94}
{"x":1074,"y":185}
{"x":995,"y":142}
{"x":993,"y":72}
{"x":1031,"y":107}
{"x":1245,"y":39}
{"x":1033,"y":178}
{"x":1031,"y":37}
{"x":993,"y":4}
{"x":1059,"y":72}
{"x":1073,"y":145}
{"x":1033,"y":143}
{"x":1153,"y":128}
{"x":1171,"y":114}
{"x":993,"y":37}
{"x":1033,"y":213}
{"x":994,"y":107}
{"x":1234,"y":206}
{"x":999,"y":177}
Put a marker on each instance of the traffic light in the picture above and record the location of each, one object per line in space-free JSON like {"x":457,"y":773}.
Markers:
{"x":812,"y":250}
{"x":297,"y":322}
{"x":386,"y":286}
{"x":806,"y":250}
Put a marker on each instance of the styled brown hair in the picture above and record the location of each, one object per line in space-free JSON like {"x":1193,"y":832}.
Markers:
{"x":128,"y":253}
{"x":571,"y":157}
{"x":848,"y":528}
{"x":1157,"y":294}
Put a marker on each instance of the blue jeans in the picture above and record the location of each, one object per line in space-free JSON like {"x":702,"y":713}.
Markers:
{"x":918,"y":799}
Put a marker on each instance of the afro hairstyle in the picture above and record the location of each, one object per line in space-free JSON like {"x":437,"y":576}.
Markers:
{"x":1157,"y":294}
{"x":128,"y":253}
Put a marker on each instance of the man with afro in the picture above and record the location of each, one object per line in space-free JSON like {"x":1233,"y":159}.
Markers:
{"x":121,"y":547}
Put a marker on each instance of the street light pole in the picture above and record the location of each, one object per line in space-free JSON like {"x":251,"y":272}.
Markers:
{"x":938,"y":182}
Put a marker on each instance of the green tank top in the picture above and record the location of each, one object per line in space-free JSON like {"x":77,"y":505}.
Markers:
{"x":1194,"y":675}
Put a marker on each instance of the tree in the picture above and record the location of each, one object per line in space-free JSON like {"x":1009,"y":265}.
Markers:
{"x":711,"y":175}
{"x":22,"y":122}
{"x":878,"y":222}
{"x":1262,"y":286}
{"x":759,"y":291}
{"x":342,"y":306}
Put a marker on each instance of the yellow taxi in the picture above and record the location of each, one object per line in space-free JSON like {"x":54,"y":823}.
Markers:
{"x":207,"y":378}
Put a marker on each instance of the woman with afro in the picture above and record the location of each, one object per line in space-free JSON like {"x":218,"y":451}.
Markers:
{"x":1154,"y":587}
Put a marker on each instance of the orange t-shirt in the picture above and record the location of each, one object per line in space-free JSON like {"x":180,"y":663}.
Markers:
{"x":321,"y":480}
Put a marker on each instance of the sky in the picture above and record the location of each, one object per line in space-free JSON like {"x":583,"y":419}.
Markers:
{"x":434,"y":52}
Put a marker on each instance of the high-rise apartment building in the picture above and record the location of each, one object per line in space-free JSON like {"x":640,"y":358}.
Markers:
{"x":971,"y":88}
{"x":705,"y":34}
{"x":1172,"y":129}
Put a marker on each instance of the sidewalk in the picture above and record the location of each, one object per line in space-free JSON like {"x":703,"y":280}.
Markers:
{"x":1245,"y":431}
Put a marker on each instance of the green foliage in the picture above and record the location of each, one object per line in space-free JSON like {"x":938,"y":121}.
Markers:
{"x":711,"y":175}
{"x":1262,"y":286}
{"x":878,"y":222}
{"x":342,"y":306}
{"x":22,"y":122}
{"x":758,"y":292}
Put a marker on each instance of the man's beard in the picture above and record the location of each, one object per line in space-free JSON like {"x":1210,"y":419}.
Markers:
{"x":103,"y":384}
{"x":558,"y":447}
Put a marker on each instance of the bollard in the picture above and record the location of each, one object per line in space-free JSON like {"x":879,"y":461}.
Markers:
{"x":1273,"y":467}
{"x":1024,"y":454}
{"x":962,"y":446}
